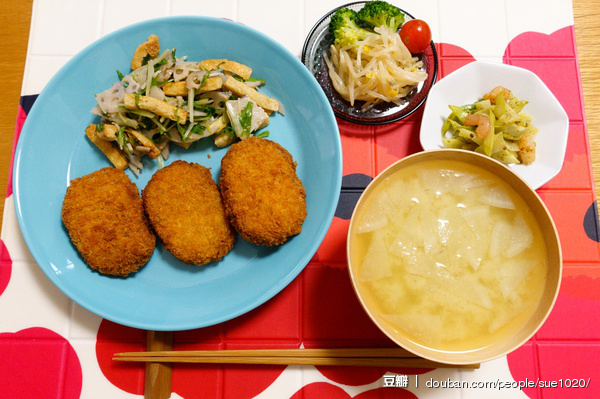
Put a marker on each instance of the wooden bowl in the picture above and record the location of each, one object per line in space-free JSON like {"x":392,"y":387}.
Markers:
{"x":549,"y":234}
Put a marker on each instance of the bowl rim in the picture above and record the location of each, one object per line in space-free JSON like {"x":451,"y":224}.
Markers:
{"x":425,"y":352}
{"x":380,"y":120}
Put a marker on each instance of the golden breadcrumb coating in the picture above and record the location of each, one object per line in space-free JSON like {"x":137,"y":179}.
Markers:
{"x":264,"y":198}
{"x":185,"y":209}
{"x":105,"y":218}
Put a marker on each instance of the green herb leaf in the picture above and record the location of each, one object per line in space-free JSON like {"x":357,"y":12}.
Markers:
{"x":159,"y":64}
{"x":246,"y":119}
{"x":201,"y":102}
{"x":262,"y":81}
{"x":155,"y":82}
{"x":262,"y":134}
{"x":198,"y":129}
{"x":208,"y":110}
{"x":181,"y":131}
{"x":229,"y":130}
{"x":122,"y":139}
{"x":204,"y":79}
{"x":120,"y":75}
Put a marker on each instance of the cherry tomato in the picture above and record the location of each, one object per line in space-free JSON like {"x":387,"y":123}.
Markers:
{"x":415,"y":35}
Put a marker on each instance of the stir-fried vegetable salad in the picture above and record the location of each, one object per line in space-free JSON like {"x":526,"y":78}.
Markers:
{"x":495,"y":125}
{"x":368,"y":61}
{"x":166,"y":98}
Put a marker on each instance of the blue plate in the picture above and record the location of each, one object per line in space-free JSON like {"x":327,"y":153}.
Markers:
{"x":167,"y":294}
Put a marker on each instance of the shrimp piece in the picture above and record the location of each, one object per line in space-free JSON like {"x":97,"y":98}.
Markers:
{"x":494,"y":93}
{"x":527,"y":149}
{"x":482,"y":121}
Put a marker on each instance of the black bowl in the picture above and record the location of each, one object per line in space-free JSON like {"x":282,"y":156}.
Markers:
{"x":318,"y":42}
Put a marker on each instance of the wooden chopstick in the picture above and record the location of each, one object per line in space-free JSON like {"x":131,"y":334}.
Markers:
{"x":157,"y":382}
{"x":324,"y":352}
{"x":371,"y":357}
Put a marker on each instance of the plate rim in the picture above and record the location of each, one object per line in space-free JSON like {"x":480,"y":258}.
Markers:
{"x":191,"y":323}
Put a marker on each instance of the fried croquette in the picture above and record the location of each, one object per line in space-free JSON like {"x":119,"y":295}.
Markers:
{"x":105,"y":218}
{"x":185,"y":209}
{"x":263,"y":197}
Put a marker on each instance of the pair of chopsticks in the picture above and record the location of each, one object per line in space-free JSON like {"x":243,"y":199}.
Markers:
{"x":370,"y":357}
{"x":160,"y":357}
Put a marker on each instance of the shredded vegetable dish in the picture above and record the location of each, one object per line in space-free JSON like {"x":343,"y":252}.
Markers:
{"x":495,"y":125}
{"x":166,"y":98}
{"x":368,"y":60}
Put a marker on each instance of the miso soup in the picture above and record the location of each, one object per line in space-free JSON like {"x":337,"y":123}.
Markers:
{"x":448,"y":255}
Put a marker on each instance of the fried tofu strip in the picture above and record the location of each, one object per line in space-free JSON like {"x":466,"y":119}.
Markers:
{"x":175,"y":89}
{"x":106,"y":147}
{"x":211,"y":84}
{"x":224,"y":139}
{"x":212,"y":64}
{"x":107,"y":132}
{"x":241,"y":70}
{"x":150,"y":47}
{"x":242,"y":89}
{"x":146,"y":142}
{"x":218,"y":124}
{"x":178,"y":88}
{"x":156,"y":106}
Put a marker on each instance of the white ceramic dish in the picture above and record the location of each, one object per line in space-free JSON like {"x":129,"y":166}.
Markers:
{"x":469,"y":83}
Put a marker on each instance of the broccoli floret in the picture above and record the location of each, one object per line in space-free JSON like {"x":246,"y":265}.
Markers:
{"x":380,"y":13}
{"x":344,"y":29}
